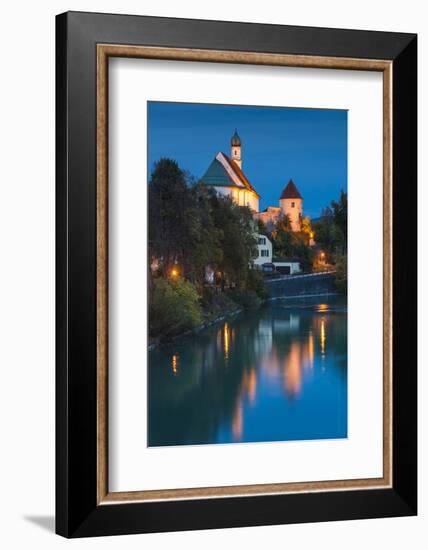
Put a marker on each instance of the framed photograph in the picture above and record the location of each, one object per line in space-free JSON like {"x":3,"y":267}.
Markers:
{"x":236,"y":274}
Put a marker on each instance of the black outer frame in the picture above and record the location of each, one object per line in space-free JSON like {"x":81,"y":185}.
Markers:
{"x":77,"y":513}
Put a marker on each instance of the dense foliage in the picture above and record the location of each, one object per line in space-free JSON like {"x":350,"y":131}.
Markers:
{"x":331,"y":232}
{"x":192,"y":228}
{"x":331,"y":229}
{"x":341,"y":276}
{"x":174,"y":307}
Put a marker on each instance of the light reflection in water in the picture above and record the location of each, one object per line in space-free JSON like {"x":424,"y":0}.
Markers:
{"x":226,"y":342}
{"x":174,"y":364}
{"x":293,"y":370}
{"x":311,"y":350}
{"x":274,"y":387}
{"x":322,"y":337}
{"x":252,"y":386}
{"x":237,"y":421}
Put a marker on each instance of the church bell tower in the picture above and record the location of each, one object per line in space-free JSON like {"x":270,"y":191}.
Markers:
{"x":236,"y":149}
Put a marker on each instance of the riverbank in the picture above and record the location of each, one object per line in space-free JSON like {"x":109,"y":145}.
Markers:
{"x":178,"y":309}
{"x":155,"y":343}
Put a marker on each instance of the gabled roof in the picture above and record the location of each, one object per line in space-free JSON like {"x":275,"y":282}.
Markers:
{"x":290,"y":191}
{"x":216,"y":175}
{"x":224,"y":172}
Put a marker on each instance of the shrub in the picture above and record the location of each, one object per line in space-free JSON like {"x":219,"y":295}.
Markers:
{"x":341,"y":275}
{"x":208,"y":294}
{"x":245,"y":298}
{"x":255,"y":282}
{"x":174,"y":308}
{"x":217,"y":303}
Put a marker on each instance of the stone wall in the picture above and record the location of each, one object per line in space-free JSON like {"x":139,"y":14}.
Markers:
{"x":301,"y":285}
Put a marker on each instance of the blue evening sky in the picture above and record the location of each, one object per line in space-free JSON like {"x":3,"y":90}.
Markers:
{"x":278,"y":143}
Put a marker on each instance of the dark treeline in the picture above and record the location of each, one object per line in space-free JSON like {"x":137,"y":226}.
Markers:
{"x":192,"y":229}
{"x":332,"y":227}
{"x":331,"y":233}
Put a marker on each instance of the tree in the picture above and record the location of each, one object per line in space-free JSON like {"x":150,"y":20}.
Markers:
{"x":169,"y":202}
{"x":204,"y":236}
{"x":238,"y":241}
{"x":293,"y":243}
{"x":261,"y":227}
{"x":174,"y":307}
{"x":340,"y":214}
{"x":282,"y":241}
{"x":341,"y":276}
{"x":331,"y":229}
{"x":306,"y":228}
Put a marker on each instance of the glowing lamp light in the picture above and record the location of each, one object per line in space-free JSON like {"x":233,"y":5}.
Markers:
{"x":174,"y":272}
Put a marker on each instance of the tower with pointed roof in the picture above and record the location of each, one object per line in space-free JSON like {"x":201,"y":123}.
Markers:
{"x":235,"y":143}
{"x":291,"y":204}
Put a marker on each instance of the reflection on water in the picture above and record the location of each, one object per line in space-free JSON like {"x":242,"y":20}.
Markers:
{"x":174,"y":363}
{"x":226,"y":333}
{"x":322,"y":336}
{"x":274,"y":374}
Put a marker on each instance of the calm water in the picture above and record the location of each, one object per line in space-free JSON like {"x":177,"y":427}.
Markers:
{"x":274,"y":374}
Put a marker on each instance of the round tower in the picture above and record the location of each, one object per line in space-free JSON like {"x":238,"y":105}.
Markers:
{"x":235,"y":143}
{"x":291,"y":203}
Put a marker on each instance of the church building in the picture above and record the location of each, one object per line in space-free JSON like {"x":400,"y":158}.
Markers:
{"x":226,"y":176}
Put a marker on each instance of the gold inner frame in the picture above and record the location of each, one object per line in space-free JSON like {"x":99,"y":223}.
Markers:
{"x":104,"y":51}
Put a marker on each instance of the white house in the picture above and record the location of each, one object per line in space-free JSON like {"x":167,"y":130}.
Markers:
{"x":264,"y":248}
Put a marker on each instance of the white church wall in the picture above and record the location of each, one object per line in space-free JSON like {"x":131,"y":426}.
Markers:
{"x":252,"y":201}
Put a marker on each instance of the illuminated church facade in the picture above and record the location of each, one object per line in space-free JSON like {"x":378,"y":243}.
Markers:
{"x":226,"y":176}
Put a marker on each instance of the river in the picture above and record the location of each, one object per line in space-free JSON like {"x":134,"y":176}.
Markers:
{"x":278,"y":373}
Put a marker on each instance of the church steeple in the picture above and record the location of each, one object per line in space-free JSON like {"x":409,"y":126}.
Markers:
{"x":236,"y":149}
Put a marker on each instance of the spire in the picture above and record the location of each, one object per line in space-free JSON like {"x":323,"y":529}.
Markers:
{"x":290,"y":191}
{"x":236,"y":149}
{"x":236,"y":140}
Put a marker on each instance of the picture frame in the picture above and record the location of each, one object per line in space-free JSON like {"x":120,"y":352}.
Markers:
{"x":84,"y":44}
